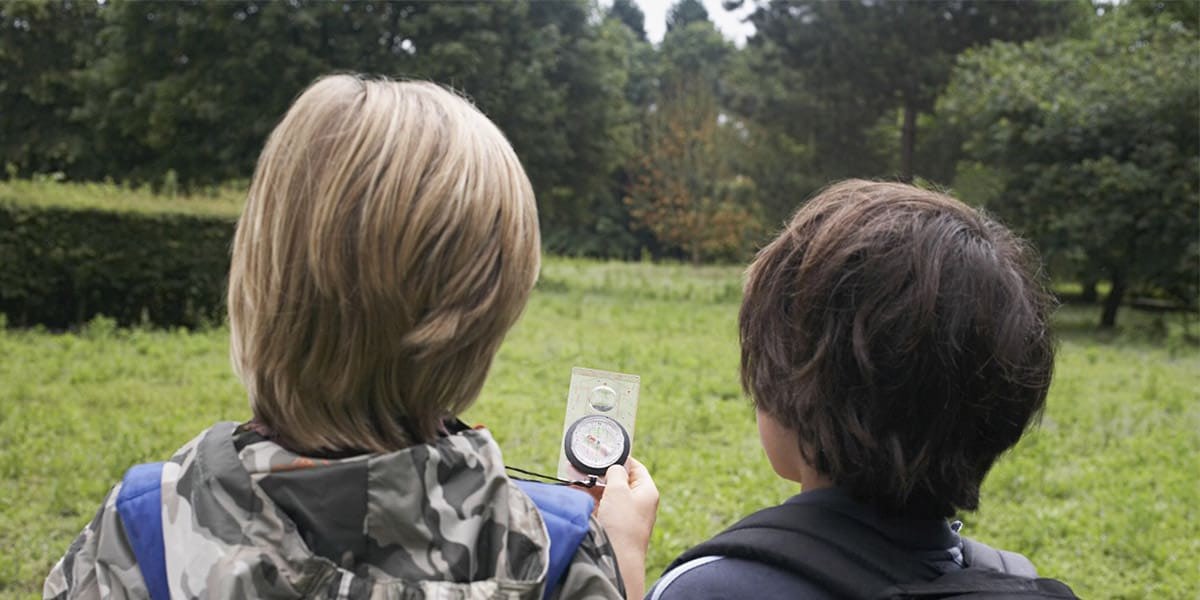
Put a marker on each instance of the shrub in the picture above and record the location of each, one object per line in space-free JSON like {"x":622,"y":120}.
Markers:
{"x":66,"y":258}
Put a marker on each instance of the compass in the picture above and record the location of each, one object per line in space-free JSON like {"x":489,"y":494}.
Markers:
{"x":596,"y":442}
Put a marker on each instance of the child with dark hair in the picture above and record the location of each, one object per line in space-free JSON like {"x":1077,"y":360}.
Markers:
{"x":895,"y":343}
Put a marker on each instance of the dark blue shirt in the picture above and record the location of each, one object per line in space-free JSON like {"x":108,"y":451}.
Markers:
{"x":710,"y":578}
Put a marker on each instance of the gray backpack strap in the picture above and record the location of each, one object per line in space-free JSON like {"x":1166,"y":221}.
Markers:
{"x":980,"y":555}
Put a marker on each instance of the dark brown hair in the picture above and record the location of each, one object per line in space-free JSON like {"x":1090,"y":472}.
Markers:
{"x":903,"y":335}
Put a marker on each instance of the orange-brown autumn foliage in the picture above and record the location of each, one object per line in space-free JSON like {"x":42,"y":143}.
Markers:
{"x":683,"y":190}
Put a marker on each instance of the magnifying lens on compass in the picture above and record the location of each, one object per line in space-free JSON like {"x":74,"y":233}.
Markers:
{"x":596,"y":442}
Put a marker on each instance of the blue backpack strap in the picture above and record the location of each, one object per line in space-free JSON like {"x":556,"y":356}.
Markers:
{"x":139,"y":503}
{"x":567,"y":515}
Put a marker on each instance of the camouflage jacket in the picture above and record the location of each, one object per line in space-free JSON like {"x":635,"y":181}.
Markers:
{"x":245,"y":518}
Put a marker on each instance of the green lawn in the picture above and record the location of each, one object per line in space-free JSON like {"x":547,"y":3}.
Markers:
{"x":1103,"y":495}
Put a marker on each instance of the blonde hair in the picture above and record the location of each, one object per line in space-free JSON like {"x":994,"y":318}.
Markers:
{"x":389,"y":241}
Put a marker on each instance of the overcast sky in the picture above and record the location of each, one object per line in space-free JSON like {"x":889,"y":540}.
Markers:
{"x":729,"y":23}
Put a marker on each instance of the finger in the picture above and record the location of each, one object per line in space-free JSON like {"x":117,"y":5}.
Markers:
{"x":639,"y":475}
{"x":636,"y":468}
{"x":617,"y":477}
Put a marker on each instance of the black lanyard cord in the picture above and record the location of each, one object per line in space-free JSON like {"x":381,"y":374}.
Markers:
{"x":592,"y":480}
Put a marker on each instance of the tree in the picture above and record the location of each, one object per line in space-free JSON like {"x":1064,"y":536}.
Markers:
{"x":44,"y":43}
{"x":784,"y":168}
{"x":684,"y":13}
{"x":188,"y":91}
{"x":685,"y":188}
{"x":194,"y":87}
{"x":861,"y":60}
{"x":599,"y":69}
{"x":1095,"y":141}
{"x":1186,"y":14}
{"x":684,"y":191}
{"x":628,"y":13}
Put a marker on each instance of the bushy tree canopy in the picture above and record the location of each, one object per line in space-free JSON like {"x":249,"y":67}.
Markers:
{"x":685,"y":12}
{"x":857,"y":61}
{"x":628,"y":13}
{"x":43,"y":46}
{"x":187,"y":91}
{"x":1096,"y":140}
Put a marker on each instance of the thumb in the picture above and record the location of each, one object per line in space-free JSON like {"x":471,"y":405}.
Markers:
{"x":617,"y":478}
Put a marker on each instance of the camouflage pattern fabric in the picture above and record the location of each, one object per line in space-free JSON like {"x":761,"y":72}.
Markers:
{"x":245,"y":518}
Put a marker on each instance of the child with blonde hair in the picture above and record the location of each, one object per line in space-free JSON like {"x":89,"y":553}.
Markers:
{"x":389,"y":241}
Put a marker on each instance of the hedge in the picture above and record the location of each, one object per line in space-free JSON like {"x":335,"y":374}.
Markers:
{"x":64,"y":262}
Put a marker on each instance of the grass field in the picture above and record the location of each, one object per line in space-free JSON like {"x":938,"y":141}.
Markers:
{"x":1103,"y":495}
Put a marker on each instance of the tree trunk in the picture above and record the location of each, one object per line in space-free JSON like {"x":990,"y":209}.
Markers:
{"x":908,"y":142}
{"x":1108,"y":318}
{"x":1089,"y":294}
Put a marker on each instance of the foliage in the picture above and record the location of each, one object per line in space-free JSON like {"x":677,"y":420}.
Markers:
{"x":685,"y":12}
{"x":862,"y":60}
{"x":43,"y":44}
{"x":180,"y":96}
{"x":630,"y":15}
{"x":695,"y":54}
{"x":684,"y":185}
{"x":63,"y":262}
{"x":142,"y":90}
{"x":1187,"y":14}
{"x":1102,"y":495}
{"x":783,"y":167}
{"x":683,"y":191}
{"x":582,"y":215}
{"x":1095,"y":141}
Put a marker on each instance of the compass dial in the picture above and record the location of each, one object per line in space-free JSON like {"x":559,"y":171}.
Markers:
{"x":595,"y":443}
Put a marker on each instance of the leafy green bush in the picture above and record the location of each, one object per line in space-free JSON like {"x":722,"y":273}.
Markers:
{"x":65,"y":258}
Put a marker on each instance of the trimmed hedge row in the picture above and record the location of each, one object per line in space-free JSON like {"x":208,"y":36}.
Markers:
{"x":61,"y":266}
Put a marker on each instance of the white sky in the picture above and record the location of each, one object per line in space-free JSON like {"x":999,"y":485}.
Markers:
{"x":728,"y":23}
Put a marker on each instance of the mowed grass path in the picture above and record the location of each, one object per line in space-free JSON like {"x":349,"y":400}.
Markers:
{"x":1104,"y":495}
